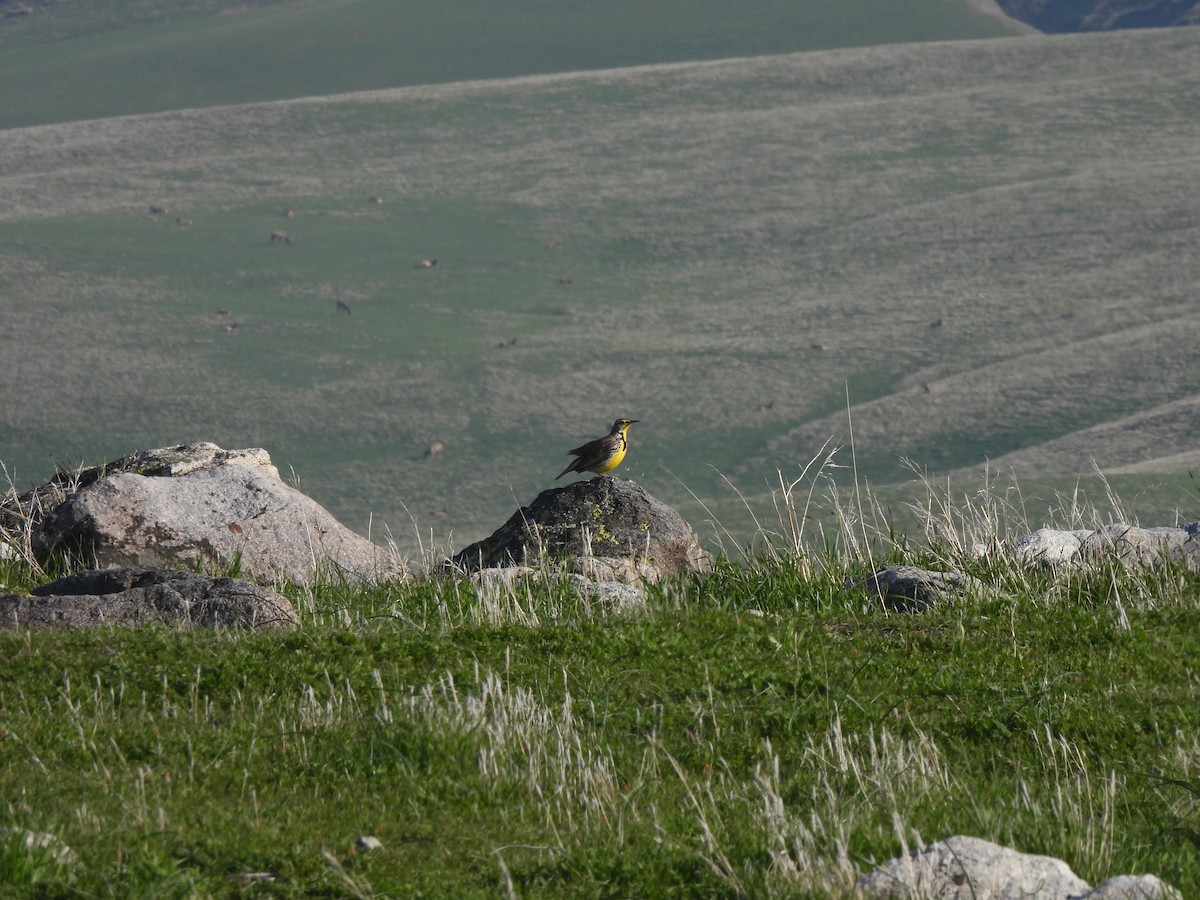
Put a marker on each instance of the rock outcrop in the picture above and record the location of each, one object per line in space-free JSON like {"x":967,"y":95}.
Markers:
{"x":191,"y":506}
{"x":606,"y":529}
{"x":131,"y":597}
{"x":969,"y":868}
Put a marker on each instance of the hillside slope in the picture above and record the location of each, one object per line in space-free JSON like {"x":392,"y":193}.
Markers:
{"x":106,"y":57}
{"x":670,"y":243}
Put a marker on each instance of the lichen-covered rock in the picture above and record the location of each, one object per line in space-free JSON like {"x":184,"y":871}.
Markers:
{"x":127,"y":598}
{"x":191,"y":506}
{"x":610,"y":522}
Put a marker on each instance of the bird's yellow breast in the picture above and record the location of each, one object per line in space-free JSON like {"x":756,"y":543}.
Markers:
{"x":614,"y":460}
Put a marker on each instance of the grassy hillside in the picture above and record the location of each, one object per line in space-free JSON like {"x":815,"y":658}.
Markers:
{"x":667,"y":243}
{"x":760,"y":732}
{"x":71,"y":61}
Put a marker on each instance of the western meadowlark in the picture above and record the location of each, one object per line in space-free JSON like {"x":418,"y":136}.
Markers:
{"x":603,"y":454}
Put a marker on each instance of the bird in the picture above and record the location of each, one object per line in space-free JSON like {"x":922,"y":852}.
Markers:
{"x":603,"y":454}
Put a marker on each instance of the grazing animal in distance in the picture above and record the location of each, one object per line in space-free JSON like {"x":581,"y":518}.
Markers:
{"x":289,"y":213}
{"x":818,"y":347}
{"x":377,"y":200}
{"x":566,"y":281}
{"x":936,"y":323}
{"x":343,"y":306}
{"x":280,"y":237}
{"x":437,"y":448}
{"x":765,"y":407}
{"x":158,"y":210}
{"x":511,"y":342}
{"x":426,"y":264}
{"x":179,"y":220}
{"x":603,"y":454}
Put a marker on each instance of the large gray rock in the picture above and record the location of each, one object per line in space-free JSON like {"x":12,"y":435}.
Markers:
{"x":968,"y":868}
{"x":130,"y":597}
{"x":606,"y":529}
{"x":193,"y":506}
{"x":1128,"y":545}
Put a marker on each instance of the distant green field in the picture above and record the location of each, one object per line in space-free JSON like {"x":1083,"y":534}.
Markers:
{"x":668,"y":243}
{"x":108,"y":58}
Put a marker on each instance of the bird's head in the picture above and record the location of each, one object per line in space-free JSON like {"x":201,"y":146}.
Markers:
{"x":623,"y":424}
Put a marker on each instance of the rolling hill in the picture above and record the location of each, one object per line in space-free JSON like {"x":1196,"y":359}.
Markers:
{"x":81,"y":60}
{"x":969,"y":250}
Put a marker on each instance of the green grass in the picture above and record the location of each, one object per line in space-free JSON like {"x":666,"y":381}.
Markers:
{"x":119,"y":58}
{"x":758,"y":731}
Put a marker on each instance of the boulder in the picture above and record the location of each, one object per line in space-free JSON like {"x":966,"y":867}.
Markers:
{"x":969,"y":868}
{"x":606,"y":529}
{"x":910,"y":589}
{"x":193,"y":506}
{"x":127,"y":598}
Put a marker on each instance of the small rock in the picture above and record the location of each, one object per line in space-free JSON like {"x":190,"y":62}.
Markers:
{"x":612,"y":595}
{"x":910,"y":589}
{"x":368,"y":842}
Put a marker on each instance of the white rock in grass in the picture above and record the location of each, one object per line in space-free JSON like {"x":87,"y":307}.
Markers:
{"x":40,"y":840}
{"x":1126,"y":544}
{"x":612,"y":595}
{"x":368,"y":842}
{"x":969,"y":868}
